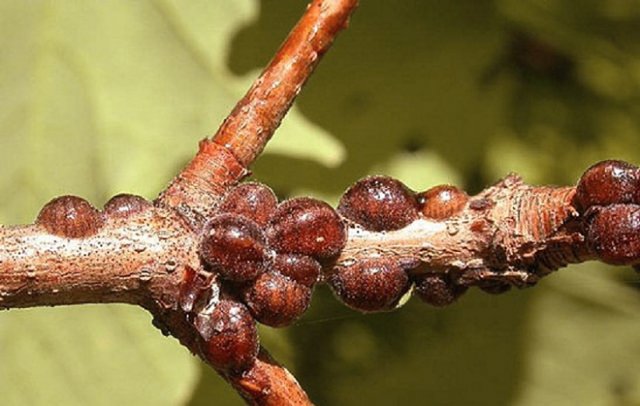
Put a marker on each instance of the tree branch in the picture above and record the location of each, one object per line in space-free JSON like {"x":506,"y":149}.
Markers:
{"x":223,"y":161}
{"x":207,"y":271}
{"x":511,"y":233}
{"x":136,"y":259}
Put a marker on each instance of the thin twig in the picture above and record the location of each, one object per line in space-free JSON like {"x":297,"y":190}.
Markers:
{"x":222,"y":161}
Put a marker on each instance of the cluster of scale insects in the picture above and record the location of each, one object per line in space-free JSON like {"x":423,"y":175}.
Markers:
{"x":608,"y":196}
{"x":267,"y":257}
{"x":262,"y":258}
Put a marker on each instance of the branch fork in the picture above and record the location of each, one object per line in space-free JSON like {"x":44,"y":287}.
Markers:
{"x":385,"y":237}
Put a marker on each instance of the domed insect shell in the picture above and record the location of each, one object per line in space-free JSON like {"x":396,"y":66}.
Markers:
{"x":300,"y":268}
{"x":252,"y":200}
{"x":442,"y":202}
{"x":234,"y":246}
{"x":370,"y":284}
{"x":229,"y":336}
{"x":613,"y":233}
{"x":71,"y":217}
{"x":608,"y":182}
{"x":277,"y":300}
{"x":379,"y":203}
{"x":306,"y":226}
{"x":124,"y":205}
{"x":437,"y":289}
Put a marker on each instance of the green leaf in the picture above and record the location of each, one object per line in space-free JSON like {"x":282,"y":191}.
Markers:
{"x":420,"y":171}
{"x":584,"y":340}
{"x":98,"y":355}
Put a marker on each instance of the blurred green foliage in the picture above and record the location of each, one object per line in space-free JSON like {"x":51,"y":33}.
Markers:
{"x":100,"y":97}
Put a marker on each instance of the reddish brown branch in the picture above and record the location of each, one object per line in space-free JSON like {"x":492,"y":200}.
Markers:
{"x":77,"y":255}
{"x":509,"y":235}
{"x":138,"y":260}
{"x":222,"y":161}
{"x":264,"y":383}
{"x":256,"y":117}
{"x":269,"y":383}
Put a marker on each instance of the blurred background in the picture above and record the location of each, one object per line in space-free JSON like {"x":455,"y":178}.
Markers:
{"x":102,"y":97}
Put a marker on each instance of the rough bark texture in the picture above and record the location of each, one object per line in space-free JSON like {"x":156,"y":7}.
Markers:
{"x":269,"y":383}
{"x":511,"y":233}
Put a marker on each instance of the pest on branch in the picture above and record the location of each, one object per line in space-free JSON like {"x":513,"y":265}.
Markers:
{"x":212,"y":256}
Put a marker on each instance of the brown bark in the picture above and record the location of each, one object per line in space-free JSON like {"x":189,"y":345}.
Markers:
{"x":510,"y":234}
{"x":516,"y":232}
{"x":138,"y":260}
{"x":269,"y":383}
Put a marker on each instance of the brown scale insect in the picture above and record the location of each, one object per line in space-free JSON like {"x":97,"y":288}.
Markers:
{"x":370,"y":285}
{"x":614,"y":234}
{"x":301,"y":268}
{"x":230,"y":337}
{"x":124,"y":205}
{"x":252,"y":200}
{"x":306,"y":226}
{"x":234,"y":246}
{"x":442,"y":202}
{"x":276,"y":300}
{"x":608,"y":182}
{"x":70,"y":216}
{"x":379,"y":203}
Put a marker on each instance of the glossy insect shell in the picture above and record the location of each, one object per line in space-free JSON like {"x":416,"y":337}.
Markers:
{"x":608,"y":182}
{"x":370,"y":285}
{"x":234,"y":246}
{"x":252,"y":200}
{"x":442,"y":202}
{"x":230,"y":338}
{"x":301,"y":268}
{"x":614,"y":234}
{"x":71,"y":217}
{"x":276,"y":300}
{"x":308,"y":227}
{"x":124,"y":205}
{"x":379,"y":203}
